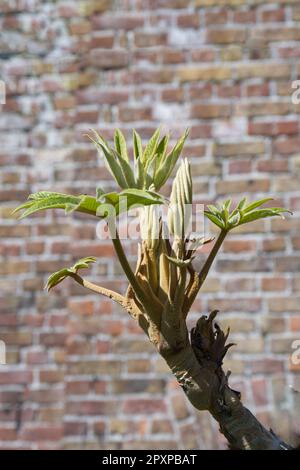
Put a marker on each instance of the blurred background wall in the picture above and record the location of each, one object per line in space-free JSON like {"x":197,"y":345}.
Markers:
{"x":79,"y":374}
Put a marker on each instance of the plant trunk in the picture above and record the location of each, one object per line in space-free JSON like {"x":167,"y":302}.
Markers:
{"x":197,"y":368}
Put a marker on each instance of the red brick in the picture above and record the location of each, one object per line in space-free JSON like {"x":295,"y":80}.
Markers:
{"x":8,"y":434}
{"x":287,"y":146}
{"x":107,"y":59}
{"x":110,"y":96}
{"x":225,"y":36}
{"x":238,"y":246}
{"x":81,"y":307}
{"x":216,"y":17}
{"x":76,"y":361}
{"x":92,"y":408}
{"x":37,"y":357}
{"x":75,"y":428}
{"x":189,"y":20}
{"x":124,"y":21}
{"x":144,"y":406}
{"x":38,"y":433}
{"x":142,"y":39}
{"x":247,"y":16}
{"x":295,"y":323}
{"x":276,"y":284}
{"x":15,"y":377}
{"x":275,"y":15}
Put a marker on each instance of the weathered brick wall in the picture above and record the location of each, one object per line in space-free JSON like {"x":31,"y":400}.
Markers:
{"x":79,"y":374}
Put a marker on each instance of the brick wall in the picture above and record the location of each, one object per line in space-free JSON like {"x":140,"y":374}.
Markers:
{"x":79,"y":373}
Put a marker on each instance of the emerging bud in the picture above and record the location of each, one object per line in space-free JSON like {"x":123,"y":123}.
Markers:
{"x":180,"y":210}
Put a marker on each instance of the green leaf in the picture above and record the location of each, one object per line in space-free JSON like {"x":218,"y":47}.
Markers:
{"x":120,"y":144}
{"x":168,"y":162}
{"x":150,"y":172}
{"x":83,"y":263}
{"x":213,"y":209}
{"x":262,"y":214}
{"x":162,"y":148}
{"x":112,"y":164}
{"x":241,"y":214}
{"x":234,"y":219}
{"x":126,"y":169}
{"x":60,"y":275}
{"x":99,"y":193}
{"x":256,"y":204}
{"x":139,"y":173}
{"x":130,"y":198}
{"x":88,"y":204}
{"x":215,"y":219}
{"x":227,"y":204}
{"x":47,"y":200}
{"x":137,"y":145}
{"x":242,"y":204}
{"x":151,"y":147}
{"x":56,"y":278}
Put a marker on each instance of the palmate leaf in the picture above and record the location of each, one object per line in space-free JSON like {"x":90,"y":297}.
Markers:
{"x":51,"y":200}
{"x":262,"y":214}
{"x":122,"y":201}
{"x":152,"y":165}
{"x":60,"y":275}
{"x":130,"y":198}
{"x":242,"y":214}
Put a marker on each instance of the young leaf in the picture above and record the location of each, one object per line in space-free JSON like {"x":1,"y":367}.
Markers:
{"x":47,"y":200}
{"x":139,"y":173}
{"x":129,"y":198}
{"x":242,"y":214}
{"x":234,"y":219}
{"x":168,"y":163}
{"x":242,"y":204}
{"x":262,"y":214}
{"x":150,"y":172}
{"x":215,"y":219}
{"x":225,"y":210}
{"x":110,"y":160}
{"x":227,"y":204}
{"x":137,"y":145}
{"x":126,"y":169}
{"x":83,"y":263}
{"x":162,"y":148}
{"x":213,"y":209}
{"x":60,"y":275}
{"x":87,"y":204}
{"x":151,"y":147}
{"x":99,"y":193}
{"x":56,"y":278}
{"x":120,"y":144}
{"x":256,"y":204}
